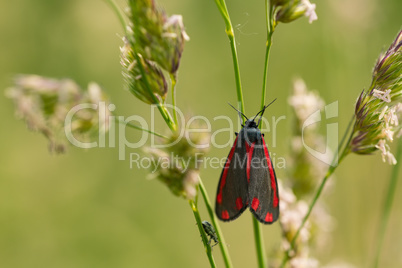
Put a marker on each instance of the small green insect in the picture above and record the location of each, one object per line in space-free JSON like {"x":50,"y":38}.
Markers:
{"x":210,"y":231}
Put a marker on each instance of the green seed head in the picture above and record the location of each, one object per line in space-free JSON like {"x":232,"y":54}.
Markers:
{"x":158,"y":38}
{"x":289,"y":10}
{"x":378,"y":109}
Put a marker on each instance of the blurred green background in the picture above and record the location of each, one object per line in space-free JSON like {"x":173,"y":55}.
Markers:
{"x":88,"y":209}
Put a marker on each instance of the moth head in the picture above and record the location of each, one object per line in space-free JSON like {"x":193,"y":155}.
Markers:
{"x":250,"y":123}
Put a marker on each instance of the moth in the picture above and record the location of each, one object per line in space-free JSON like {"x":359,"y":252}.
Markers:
{"x":248,"y":178}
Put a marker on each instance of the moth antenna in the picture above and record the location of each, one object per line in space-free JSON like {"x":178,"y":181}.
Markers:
{"x":262,"y":112}
{"x":239,"y":113}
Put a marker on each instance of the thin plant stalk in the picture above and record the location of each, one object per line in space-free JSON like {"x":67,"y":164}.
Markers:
{"x":258,"y":238}
{"x":222,"y":244}
{"x":330,"y":171}
{"x":389,"y":198}
{"x":174,"y":81}
{"x":197,"y":217}
{"x":229,"y":32}
{"x":268,"y":44}
{"x":140,"y":128}
{"x":259,"y":244}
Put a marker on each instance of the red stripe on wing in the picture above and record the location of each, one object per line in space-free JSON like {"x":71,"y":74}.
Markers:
{"x":272,"y":175}
{"x":225,"y":172}
{"x":250,"y":150}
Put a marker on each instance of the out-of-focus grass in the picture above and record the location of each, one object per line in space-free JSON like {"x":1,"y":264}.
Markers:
{"x":88,"y":209}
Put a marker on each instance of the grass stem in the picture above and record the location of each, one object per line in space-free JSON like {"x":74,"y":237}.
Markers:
{"x":229,"y":32}
{"x":173,"y":78}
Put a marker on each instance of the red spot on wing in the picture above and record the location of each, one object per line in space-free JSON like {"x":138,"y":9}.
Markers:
{"x":225,"y":173}
{"x":225,"y":215}
{"x":271,"y":174}
{"x":269,"y":217}
{"x":250,"y":150}
{"x":239,"y":203}
{"x":219,"y":198}
{"x":255,"y":203}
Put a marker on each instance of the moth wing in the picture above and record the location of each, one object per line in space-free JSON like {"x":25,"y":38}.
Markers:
{"x":232,"y":193}
{"x":263,"y":187}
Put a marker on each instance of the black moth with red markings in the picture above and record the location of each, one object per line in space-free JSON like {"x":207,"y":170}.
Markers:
{"x":248,"y":178}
